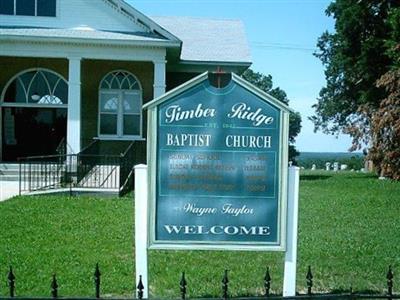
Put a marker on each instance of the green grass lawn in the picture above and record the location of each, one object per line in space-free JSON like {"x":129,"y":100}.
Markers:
{"x":349,"y":233}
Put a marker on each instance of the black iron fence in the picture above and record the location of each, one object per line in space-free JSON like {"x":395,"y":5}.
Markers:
{"x":98,"y":171}
{"x":86,"y":170}
{"x":43,"y":172}
{"x":183,"y":288}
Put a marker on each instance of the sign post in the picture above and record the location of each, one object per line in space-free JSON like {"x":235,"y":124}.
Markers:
{"x":141,"y":229}
{"x":289,"y":280}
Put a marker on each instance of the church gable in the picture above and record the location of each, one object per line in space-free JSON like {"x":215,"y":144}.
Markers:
{"x":104,"y":15}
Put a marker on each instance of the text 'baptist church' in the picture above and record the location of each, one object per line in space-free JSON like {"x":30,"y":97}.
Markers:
{"x":241,"y":111}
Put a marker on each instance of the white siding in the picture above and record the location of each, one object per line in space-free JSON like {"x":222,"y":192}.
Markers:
{"x":96,"y":14}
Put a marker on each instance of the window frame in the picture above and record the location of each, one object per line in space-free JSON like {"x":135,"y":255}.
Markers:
{"x":120,"y":110}
{"x":35,"y":13}
{"x":113,"y":113}
{"x":13,"y":10}
{"x":5,"y":103}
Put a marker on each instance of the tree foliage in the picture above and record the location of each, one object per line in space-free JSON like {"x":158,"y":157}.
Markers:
{"x":264,"y":82}
{"x":359,"y":60}
{"x":385,"y":121}
{"x":385,"y":128}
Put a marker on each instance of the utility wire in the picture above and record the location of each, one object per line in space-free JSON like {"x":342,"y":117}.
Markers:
{"x":282,"y":46}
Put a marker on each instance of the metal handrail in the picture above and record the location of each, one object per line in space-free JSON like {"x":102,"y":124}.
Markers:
{"x":88,"y":147}
{"x":59,"y":170}
{"x":98,"y":155}
{"x":126,"y":168}
{"x":128,"y":149}
{"x":61,"y":148}
{"x":42,"y":156}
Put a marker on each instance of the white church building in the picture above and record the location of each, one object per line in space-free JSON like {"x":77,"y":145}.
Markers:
{"x":75,"y":71}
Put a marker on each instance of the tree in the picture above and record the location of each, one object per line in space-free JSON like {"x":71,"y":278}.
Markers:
{"x":264,"y":82}
{"x":356,"y":56}
{"x":385,"y":121}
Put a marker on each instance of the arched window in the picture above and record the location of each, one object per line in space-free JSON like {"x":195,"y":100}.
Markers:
{"x":36,"y":87}
{"x":120,"y":106}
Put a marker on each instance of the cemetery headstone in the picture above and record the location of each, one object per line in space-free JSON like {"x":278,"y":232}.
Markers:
{"x":335,"y":166}
{"x":327,"y":166}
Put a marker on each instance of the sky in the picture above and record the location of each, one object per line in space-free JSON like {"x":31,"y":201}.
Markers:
{"x":282,"y":36}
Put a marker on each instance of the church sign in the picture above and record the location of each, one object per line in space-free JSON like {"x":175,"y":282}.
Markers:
{"x":217,"y":167}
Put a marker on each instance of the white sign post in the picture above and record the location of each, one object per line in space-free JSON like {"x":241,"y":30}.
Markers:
{"x":141,"y":231}
{"x":289,"y":280}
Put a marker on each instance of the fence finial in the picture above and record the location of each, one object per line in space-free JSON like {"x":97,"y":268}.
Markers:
{"x":267,"y":282}
{"x":140,"y":288}
{"x":309,"y":278}
{"x":389,"y":277}
{"x":54,"y":287}
{"x":97,"y":275}
{"x":351,"y":293}
{"x":182,"y":286}
{"x":225,"y":282}
{"x":11,"y":282}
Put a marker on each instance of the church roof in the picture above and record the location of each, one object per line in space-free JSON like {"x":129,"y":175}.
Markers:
{"x":211,"y":40}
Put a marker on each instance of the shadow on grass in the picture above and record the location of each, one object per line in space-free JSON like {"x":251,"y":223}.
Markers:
{"x":345,"y":292}
{"x":362,"y":292}
{"x":363,"y":176}
{"x":315,"y":177}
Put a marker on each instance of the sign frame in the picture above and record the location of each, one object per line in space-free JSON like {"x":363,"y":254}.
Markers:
{"x":152,"y":134}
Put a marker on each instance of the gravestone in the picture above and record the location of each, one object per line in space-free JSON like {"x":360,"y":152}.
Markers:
{"x":327,"y":166}
{"x":336,"y":166}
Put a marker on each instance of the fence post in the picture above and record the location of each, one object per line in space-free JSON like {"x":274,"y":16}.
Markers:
{"x":309,"y":278}
{"x":267,"y":283}
{"x":45,"y":174}
{"x":11,"y":282}
{"x":389,"y":277}
{"x":29,"y":176}
{"x":70,"y":177}
{"x":225,"y":282}
{"x":182,"y":286}
{"x":140,"y":288}
{"x":121,"y":163}
{"x":20,"y":174}
{"x":289,"y":280}
{"x":141,"y":230}
{"x":97,"y":275}
{"x":54,"y":287}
